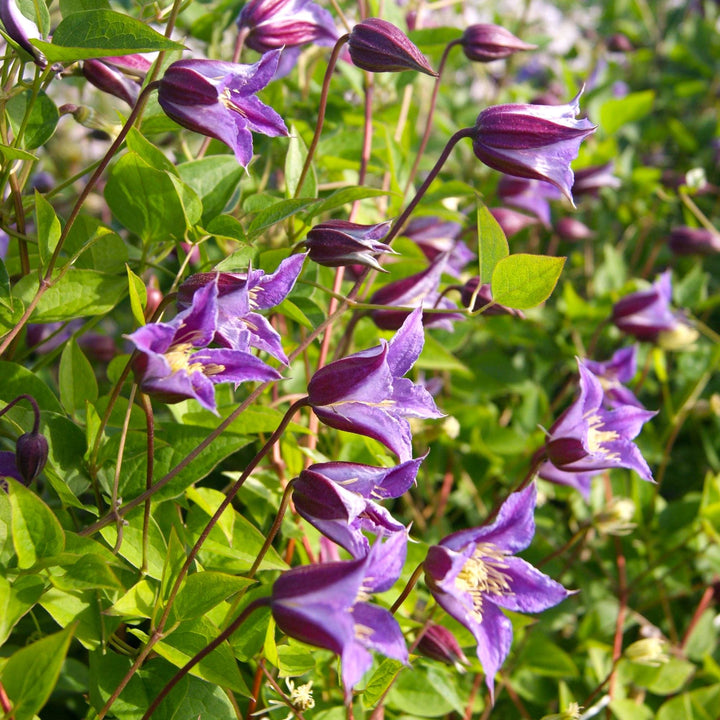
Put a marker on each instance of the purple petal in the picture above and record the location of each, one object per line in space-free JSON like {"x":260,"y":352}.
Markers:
{"x":380,"y":631}
{"x":274,"y":288}
{"x":221,"y":365}
{"x":385,"y":562}
{"x":405,"y":347}
{"x":530,"y":590}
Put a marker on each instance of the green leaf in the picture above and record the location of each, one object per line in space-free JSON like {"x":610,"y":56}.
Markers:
{"x":131,"y":547}
{"x":13,"y":153}
{"x":137,"y":602}
{"x":294,"y":161}
{"x":37,"y":12}
{"x":381,"y":680}
{"x":36,"y":531}
{"x":41,"y":121}
{"x":701,"y":704}
{"x":78,"y":293}
{"x":542,"y":657}
{"x":189,"y":200}
{"x":415,"y":694}
{"x":342,"y":197}
{"x":617,"y":112}
{"x":138,"y":296}
{"x":227,"y":226}
{"x":153,"y":156}
{"x":88,"y":573}
{"x":202,"y":591}
{"x":295,"y":658}
{"x":435,"y":356}
{"x":523,"y":281}
{"x":626,"y":709}
{"x":16,"y":600}
{"x":96,"y":246}
{"x":68,"y":7}
{"x":276,"y":213}
{"x":29,"y":676}
{"x":76,"y":379}
{"x":145,"y":200}
{"x":98,"y":33}
{"x":492,"y":243}
{"x":5,"y":289}
{"x":17,"y":380}
{"x":48,"y":227}
{"x":215,"y":179}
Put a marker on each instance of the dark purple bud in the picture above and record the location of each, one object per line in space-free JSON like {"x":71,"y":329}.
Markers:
{"x":512,"y":221}
{"x":694,"y":241}
{"x":378,"y":46}
{"x":568,"y":228}
{"x":43,"y":182}
{"x":440,"y":644}
{"x":21,"y":29}
{"x":565,"y":451}
{"x":619,"y":43}
{"x":532,"y":141}
{"x":31,"y":453}
{"x":121,"y":76}
{"x":337,"y":243}
{"x":486,"y":42}
{"x":274,"y":24}
{"x":483,"y":298}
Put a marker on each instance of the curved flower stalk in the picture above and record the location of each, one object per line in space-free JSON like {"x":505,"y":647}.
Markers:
{"x":365,"y":393}
{"x":532,"y":141}
{"x":588,"y":437}
{"x":326,"y":606}
{"x":340,"y":500}
{"x":174,"y":361}
{"x":420,"y":289}
{"x":473,"y":575}
{"x":217,"y":99}
{"x":239,"y":296}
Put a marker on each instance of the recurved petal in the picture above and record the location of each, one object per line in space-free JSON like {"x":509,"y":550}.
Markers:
{"x":530,"y":590}
{"x":379,"y":630}
{"x":406,"y":345}
{"x":414,"y":400}
{"x":222,"y":365}
{"x":262,"y":118}
{"x":494,"y":637}
{"x":385,"y":562}
{"x":196,"y":325}
{"x":274,"y":288}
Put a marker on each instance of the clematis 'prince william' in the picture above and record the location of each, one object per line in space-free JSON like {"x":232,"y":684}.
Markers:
{"x":365,"y":393}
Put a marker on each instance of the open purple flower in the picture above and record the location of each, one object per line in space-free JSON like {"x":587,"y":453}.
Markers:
{"x":339,"y":499}
{"x":217,"y":99}
{"x":174,"y":361}
{"x":472,"y":575}
{"x":420,"y":289}
{"x":338,"y":243}
{"x":240,"y":295}
{"x":365,"y":393}
{"x":532,"y":141}
{"x":435,"y":236}
{"x":326,"y":606}
{"x":276,"y":24}
{"x":646,"y":315}
{"x":613,"y":373}
{"x":512,"y":221}
{"x":589,"y":437}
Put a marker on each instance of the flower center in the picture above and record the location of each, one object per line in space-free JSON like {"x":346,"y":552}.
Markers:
{"x":482,"y":574}
{"x":179,"y":358}
{"x":226,"y":98}
{"x":598,"y":440}
{"x":301,"y":696}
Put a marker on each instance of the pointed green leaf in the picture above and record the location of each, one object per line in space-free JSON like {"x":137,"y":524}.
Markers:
{"x":138,"y":296}
{"x":294,"y":161}
{"x":523,"y":281}
{"x":42,"y":117}
{"x":202,"y":591}
{"x":48,"y":227}
{"x":76,"y":378}
{"x":492,"y":243}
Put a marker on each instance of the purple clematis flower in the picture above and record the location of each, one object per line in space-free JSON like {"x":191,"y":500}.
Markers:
{"x":646,"y":315}
{"x":685,"y":240}
{"x":326,"y":606}
{"x":239,"y":296}
{"x":472,"y":575}
{"x":338,"y":243}
{"x":589,"y":437}
{"x":485,"y":42}
{"x":619,"y":369}
{"x":339,"y":499}
{"x":589,"y":180}
{"x":416,"y":290}
{"x":512,"y":221}
{"x":435,"y":236}
{"x":276,"y":24}
{"x":217,"y":99}
{"x":532,"y":141}
{"x":581,"y":481}
{"x":531,"y":195}
{"x":174,"y":361}
{"x":365,"y":393}
{"x":21,"y":29}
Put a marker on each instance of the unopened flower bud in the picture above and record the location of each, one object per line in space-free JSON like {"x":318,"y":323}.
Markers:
{"x":376,"y":45}
{"x":337,"y":243}
{"x":21,"y":29}
{"x":619,"y":43}
{"x":648,"y":651}
{"x":440,"y":644}
{"x":511,"y":221}
{"x":483,"y":299}
{"x":118,"y":76}
{"x":693,"y":241}
{"x":31,"y":453}
{"x":616,"y":517}
{"x":568,"y":228}
{"x":485,"y":42}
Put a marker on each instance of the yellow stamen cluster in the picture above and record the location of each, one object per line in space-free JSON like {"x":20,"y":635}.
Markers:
{"x":482,"y":574}
{"x":179,"y":359}
{"x":597,"y":439}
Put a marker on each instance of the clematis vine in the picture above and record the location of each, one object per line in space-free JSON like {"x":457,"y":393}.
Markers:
{"x":365,"y":393}
{"x":240,"y":295}
{"x":217,"y":99}
{"x":326,"y":606}
{"x":588,"y":437}
{"x":473,"y":576}
{"x":174,"y":361}
{"x":340,"y":500}
{"x":532,"y":141}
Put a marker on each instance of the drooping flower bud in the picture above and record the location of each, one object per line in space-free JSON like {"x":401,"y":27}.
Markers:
{"x":486,"y":42}
{"x":440,"y":644}
{"x":619,"y":43}
{"x":21,"y":29}
{"x":511,"y":221}
{"x":118,"y":76}
{"x":31,"y":453}
{"x":648,"y":651}
{"x":616,"y":518}
{"x":693,"y":241}
{"x":568,"y":228}
{"x":532,"y":141}
{"x":337,"y":243}
{"x":376,"y":45}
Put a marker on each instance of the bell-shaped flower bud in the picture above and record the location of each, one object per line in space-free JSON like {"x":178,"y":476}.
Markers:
{"x":31,"y":453}
{"x":438,"y":643}
{"x":21,"y":29}
{"x":532,"y":141}
{"x":118,"y":76}
{"x":486,"y":42}
{"x":337,"y":243}
{"x":376,"y":45}
{"x":693,"y":241}
{"x":648,"y":651}
{"x":572,"y":230}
